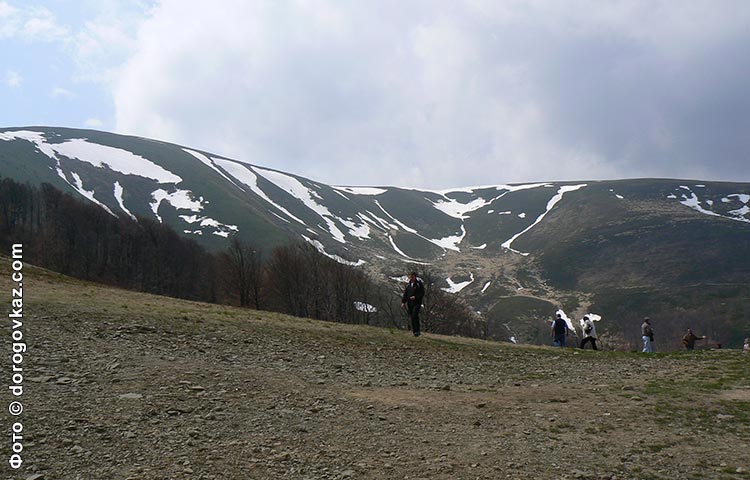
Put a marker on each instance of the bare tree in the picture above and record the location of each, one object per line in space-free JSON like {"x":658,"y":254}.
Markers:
{"x":243,"y":267}
{"x":445,"y":312}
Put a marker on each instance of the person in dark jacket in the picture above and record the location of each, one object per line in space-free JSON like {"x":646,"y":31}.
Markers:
{"x":559,"y":331}
{"x":412,"y":301}
{"x":689,"y":339}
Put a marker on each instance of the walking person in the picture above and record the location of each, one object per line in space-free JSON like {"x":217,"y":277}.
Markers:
{"x":559,"y":331}
{"x":647,"y":334}
{"x":589,"y":333}
{"x":746,"y":346}
{"x":412,"y":301}
{"x":689,"y":339}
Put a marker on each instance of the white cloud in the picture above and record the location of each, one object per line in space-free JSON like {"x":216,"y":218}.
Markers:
{"x":393,"y":95}
{"x":442,"y":94}
{"x":13,"y":79}
{"x":6,"y":10}
{"x":59,"y":92}
{"x":31,"y":24}
{"x":41,"y":25}
{"x":96,"y":47}
{"x":103,"y":44}
{"x":8,"y":20}
{"x":93,"y":123}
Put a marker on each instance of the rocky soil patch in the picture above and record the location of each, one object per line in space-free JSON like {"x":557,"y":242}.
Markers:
{"x":121,"y":385}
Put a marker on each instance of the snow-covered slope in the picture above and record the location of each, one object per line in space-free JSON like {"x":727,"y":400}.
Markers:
{"x":505,"y":248}
{"x":409,"y":224}
{"x":413,"y":225}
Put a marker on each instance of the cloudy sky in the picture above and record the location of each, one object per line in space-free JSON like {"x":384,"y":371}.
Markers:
{"x":429,"y":93}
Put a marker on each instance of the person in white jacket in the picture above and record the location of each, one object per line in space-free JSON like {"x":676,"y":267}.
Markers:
{"x":589,"y":332}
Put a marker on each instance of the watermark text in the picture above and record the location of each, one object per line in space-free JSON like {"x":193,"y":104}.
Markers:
{"x":15,"y":408}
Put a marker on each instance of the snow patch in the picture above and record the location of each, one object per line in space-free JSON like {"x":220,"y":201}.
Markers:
{"x":209,"y":163}
{"x":183,"y":200}
{"x":398,"y":250}
{"x":116,"y":159}
{"x":742,"y":197}
{"x":118,"y":196}
{"x":78,"y":185}
{"x":179,"y":199}
{"x":243,"y":174}
{"x":457,"y":287}
{"x":319,"y":246}
{"x":456,"y":209}
{"x":341,"y":195}
{"x":693,"y":202}
{"x":361,"y":190}
{"x":444,"y":243}
{"x":97,"y":155}
{"x":305,"y":195}
{"x":451,"y":242}
{"x":359,"y":231}
{"x":486,"y":285}
{"x":506,"y":188}
{"x":220,"y":229}
{"x":740,"y":212}
{"x":37,"y":138}
{"x":365,"y":307}
{"x":279,"y":216}
{"x":551,"y":203}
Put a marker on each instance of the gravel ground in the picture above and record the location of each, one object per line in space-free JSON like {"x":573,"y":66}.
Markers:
{"x":121,"y":385}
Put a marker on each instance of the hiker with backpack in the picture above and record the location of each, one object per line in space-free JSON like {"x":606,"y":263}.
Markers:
{"x":412,"y":301}
{"x":589,"y":333}
{"x":559,"y":331}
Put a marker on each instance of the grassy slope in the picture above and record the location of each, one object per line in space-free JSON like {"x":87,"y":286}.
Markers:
{"x":230,"y":393}
{"x":641,"y":256}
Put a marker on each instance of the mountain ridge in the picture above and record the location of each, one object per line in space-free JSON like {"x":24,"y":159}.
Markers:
{"x":559,"y":242}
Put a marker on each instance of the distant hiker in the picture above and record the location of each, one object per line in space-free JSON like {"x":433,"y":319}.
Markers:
{"x":412,"y":301}
{"x":746,"y":347}
{"x":689,"y":339}
{"x":589,"y":332}
{"x":559,"y":331}
{"x":647,"y":333}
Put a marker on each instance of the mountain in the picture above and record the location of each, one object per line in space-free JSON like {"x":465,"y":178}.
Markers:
{"x":677,"y":250}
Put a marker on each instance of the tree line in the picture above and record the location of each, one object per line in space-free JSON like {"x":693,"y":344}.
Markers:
{"x":80,"y":239}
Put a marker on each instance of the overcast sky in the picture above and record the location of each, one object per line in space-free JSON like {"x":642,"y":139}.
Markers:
{"x":410,"y":93}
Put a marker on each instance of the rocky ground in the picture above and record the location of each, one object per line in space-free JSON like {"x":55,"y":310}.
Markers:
{"x":121,"y":385}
